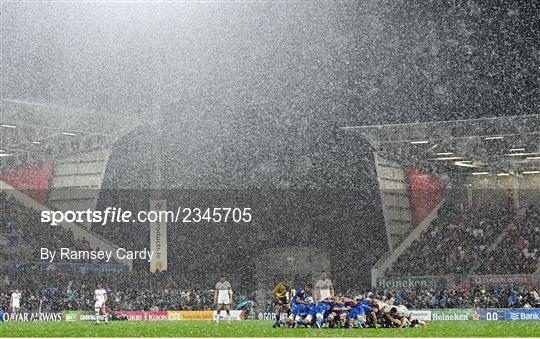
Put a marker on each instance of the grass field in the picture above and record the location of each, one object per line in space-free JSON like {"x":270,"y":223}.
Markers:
{"x":261,"y":328}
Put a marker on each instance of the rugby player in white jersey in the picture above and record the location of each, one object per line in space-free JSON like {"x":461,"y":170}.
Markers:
{"x":15,"y":301}
{"x":223,"y":299}
{"x":100,"y":298}
{"x":383,"y":310}
{"x":324,"y":289}
{"x":405,"y":317}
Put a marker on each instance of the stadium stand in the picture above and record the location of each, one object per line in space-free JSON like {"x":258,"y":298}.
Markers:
{"x":24,"y":235}
{"x":456,"y":241}
{"x":519,"y":248}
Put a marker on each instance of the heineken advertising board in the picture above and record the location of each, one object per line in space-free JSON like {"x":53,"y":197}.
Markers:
{"x":455,"y":314}
{"x":411,"y":282}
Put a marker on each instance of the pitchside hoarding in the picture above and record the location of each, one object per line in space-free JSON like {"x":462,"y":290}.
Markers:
{"x":522,"y":314}
{"x":152,"y":315}
{"x":190,"y":315}
{"x":31,"y":316}
{"x":143,"y":315}
{"x":491,"y":313}
{"x":423,"y":315}
{"x":454,"y":314}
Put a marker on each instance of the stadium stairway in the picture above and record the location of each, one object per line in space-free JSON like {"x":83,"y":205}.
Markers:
{"x":79,"y":232}
{"x":388,"y":260}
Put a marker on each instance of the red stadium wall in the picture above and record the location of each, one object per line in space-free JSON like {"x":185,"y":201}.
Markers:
{"x":33,"y":180}
{"x":425,"y":192}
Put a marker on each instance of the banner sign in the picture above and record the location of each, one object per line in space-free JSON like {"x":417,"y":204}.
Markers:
{"x":190,"y":315}
{"x":143,"y":315}
{"x":455,"y":314}
{"x":71,"y":315}
{"x":411,"y":282}
{"x":491,"y":313}
{"x":35,"y":316}
{"x":502,"y":280}
{"x":522,"y":314}
{"x":235,"y":314}
{"x":86,"y":315}
{"x":80,"y":267}
{"x":83,"y":316}
{"x":158,"y":235}
{"x":153,"y":315}
{"x":423,"y":315}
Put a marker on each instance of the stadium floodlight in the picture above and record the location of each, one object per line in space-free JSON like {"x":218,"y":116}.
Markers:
{"x":480,"y":173}
{"x":503,"y":174}
{"x":68,"y":133}
{"x":521,"y":154}
{"x":465,"y":163}
{"x":8,"y":126}
{"x":530,"y":172}
{"x":494,"y":138}
{"x":449,"y":158}
{"x":419,"y":142}
{"x":445,"y":153}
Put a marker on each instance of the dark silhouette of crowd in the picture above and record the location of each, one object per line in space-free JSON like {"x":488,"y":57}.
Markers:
{"x":66,"y":289}
{"x":519,"y":248}
{"x":475,"y":296}
{"x":23,"y":234}
{"x":490,"y":238}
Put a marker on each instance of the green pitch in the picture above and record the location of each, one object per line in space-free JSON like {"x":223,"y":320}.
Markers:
{"x":262,"y":329}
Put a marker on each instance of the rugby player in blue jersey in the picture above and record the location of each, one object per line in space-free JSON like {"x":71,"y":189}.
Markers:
{"x":318,"y":314}
{"x":340,"y":310}
{"x":301,"y":302}
{"x":359,"y":312}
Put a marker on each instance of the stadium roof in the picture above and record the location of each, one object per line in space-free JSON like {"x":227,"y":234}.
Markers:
{"x":494,"y":145}
{"x":30,"y":126}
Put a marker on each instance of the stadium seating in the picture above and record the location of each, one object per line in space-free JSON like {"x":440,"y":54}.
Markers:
{"x":456,"y":241}
{"x":518,"y":251}
{"x":24,"y":234}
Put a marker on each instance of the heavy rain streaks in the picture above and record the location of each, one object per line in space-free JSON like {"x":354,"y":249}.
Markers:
{"x":386,"y":149}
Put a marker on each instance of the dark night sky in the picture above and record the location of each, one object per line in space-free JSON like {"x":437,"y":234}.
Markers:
{"x":311,"y":62}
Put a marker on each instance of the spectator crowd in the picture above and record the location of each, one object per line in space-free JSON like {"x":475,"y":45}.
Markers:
{"x":22,"y":234}
{"x":58,"y":290}
{"x":487,"y":239}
